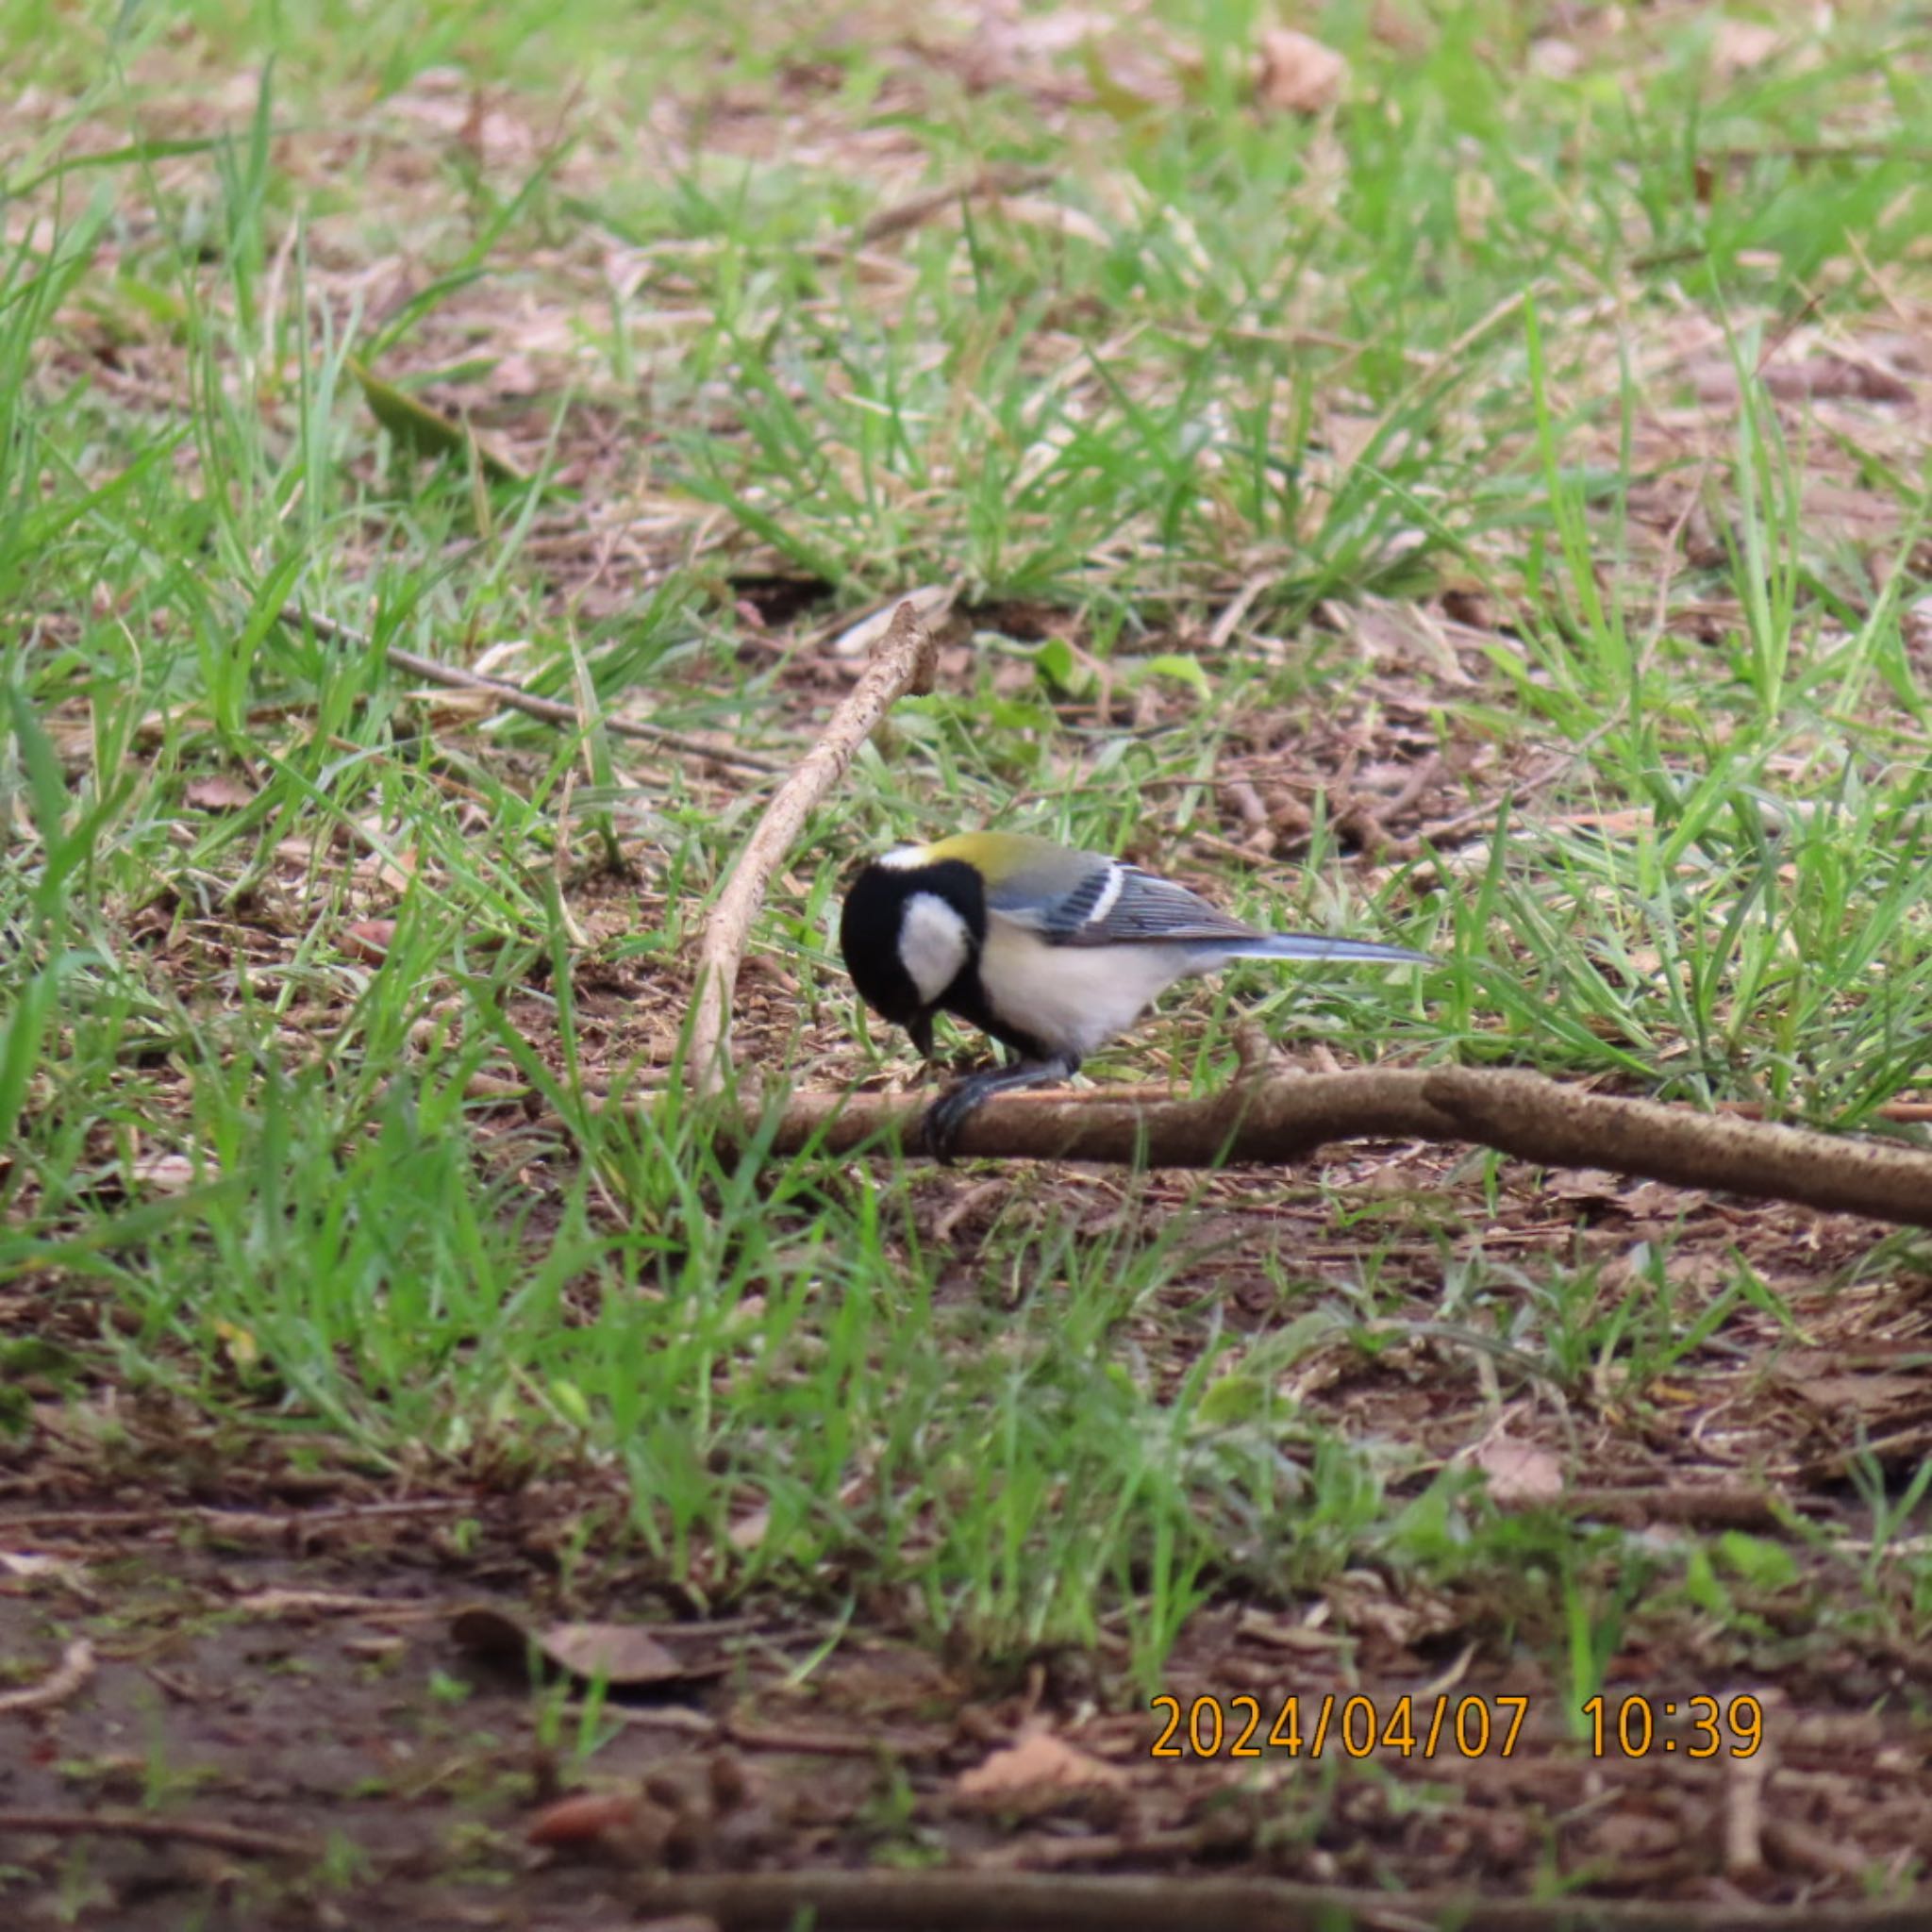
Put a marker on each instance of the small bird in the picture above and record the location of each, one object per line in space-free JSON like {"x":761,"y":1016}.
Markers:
{"x":1049,"y":950}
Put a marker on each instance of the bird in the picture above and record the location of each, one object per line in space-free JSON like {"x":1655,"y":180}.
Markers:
{"x":1049,"y":950}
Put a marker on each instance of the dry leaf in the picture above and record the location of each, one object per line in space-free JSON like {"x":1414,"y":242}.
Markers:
{"x":1818,"y":379}
{"x":1855,"y":1387}
{"x":624,"y":1825}
{"x":621,"y":1654}
{"x":1584,"y":1184}
{"x":582,"y":1815}
{"x":749,"y":1532}
{"x":162,"y":1173}
{"x":219,"y":793}
{"x":1519,"y":1471}
{"x":1040,"y":1765}
{"x":391,"y":871}
{"x":1738,"y":44}
{"x":624,"y":1656}
{"x":369,"y":939}
{"x":1298,"y":74}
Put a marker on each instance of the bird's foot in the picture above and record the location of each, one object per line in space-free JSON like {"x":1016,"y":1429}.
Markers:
{"x":939,"y":1129}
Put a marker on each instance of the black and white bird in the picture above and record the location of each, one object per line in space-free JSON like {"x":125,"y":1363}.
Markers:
{"x":1050,"y":950}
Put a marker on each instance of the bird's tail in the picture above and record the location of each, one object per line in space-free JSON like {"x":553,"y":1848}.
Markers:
{"x":1309,"y":945}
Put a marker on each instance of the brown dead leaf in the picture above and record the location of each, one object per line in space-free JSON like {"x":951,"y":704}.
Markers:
{"x":1817,"y":379}
{"x":1297,"y":74}
{"x":749,"y":1531}
{"x":1519,"y":1472}
{"x":623,"y":1655}
{"x":626,"y":1826}
{"x":1857,"y":1386}
{"x":1741,"y":45}
{"x":369,"y":939}
{"x":219,"y":791}
{"x":1040,"y":1767}
{"x":1584,"y":1184}
{"x":391,"y":871}
{"x":582,"y":1815}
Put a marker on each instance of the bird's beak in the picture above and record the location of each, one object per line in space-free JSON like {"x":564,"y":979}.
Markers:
{"x":920,"y":1031}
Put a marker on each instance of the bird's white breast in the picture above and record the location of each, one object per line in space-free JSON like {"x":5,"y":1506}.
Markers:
{"x":1073,"y":998}
{"x":933,"y":944}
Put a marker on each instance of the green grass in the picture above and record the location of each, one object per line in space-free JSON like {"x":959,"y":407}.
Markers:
{"x":1418,"y":347}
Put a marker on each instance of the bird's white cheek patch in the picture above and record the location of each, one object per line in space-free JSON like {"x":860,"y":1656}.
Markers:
{"x":933,"y":945}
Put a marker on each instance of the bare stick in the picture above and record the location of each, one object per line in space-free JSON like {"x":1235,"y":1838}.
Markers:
{"x":76,"y":1667}
{"x":969,"y":1901}
{"x":513,"y":697}
{"x":1284,"y":1117}
{"x":1564,"y":1126}
{"x":904,"y":661}
{"x":910,"y":213}
{"x":187,"y":1831}
{"x":1272,"y":1120}
{"x":1698,"y":1506}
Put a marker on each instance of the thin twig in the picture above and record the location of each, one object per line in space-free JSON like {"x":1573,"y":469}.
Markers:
{"x":76,"y":1667}
{"x":238,"y":1521}
{"x":187,"y":1831}
{"x":904,"y":661}
{"x":980,"y":1901}
{"x":1284,"y":1118}
{"x":1907,"y":1111}
{"x":1003,"y":178}
{"x":513,"y":697}
{"x":1744,"y":1782}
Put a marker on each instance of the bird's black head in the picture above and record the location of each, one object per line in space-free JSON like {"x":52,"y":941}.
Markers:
{"x":909,"y":931}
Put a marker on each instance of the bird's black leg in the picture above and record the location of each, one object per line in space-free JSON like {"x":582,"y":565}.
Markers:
{"x":951,"y":1110}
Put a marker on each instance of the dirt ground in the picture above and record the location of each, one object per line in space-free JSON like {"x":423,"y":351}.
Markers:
{"x":256,"y":1696}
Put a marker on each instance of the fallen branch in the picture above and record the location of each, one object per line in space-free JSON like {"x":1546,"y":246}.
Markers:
{"x":210,"y":1832}
{"x":968,"y":1901}
{"x":1273,"y":1121}
{"x":1694,"y":1505}
{"x":1280,"y":1117}
{"x":1556,"y":1125}
{"x":515,"y":698}
{"x":904,"y":661}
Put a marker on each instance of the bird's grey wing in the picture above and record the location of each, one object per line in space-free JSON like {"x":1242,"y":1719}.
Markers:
{"x":1108,"y":904}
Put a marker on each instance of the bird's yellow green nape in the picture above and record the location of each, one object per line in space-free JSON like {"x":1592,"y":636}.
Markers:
{"x":1049,"y":950}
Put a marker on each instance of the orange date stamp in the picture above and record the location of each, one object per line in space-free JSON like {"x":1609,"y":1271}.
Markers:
{"x":1329,"y":1726}
{"x":1444,"y":1726}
